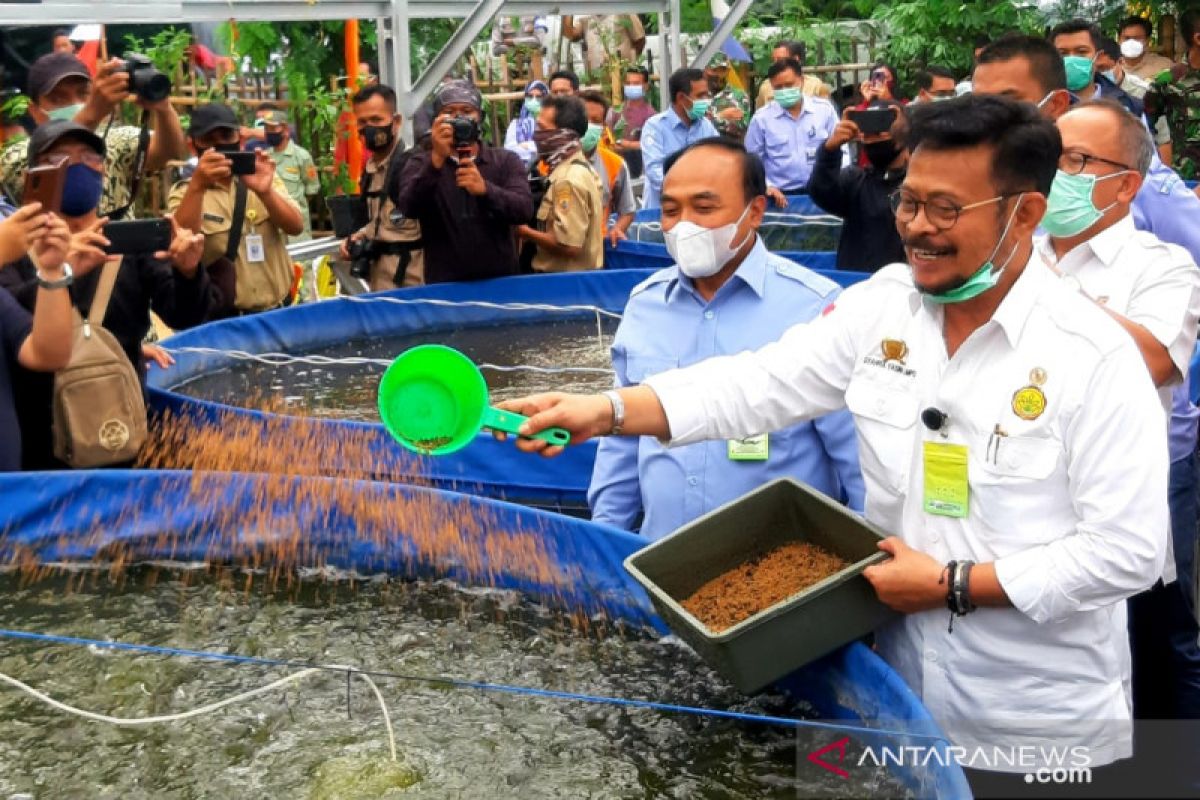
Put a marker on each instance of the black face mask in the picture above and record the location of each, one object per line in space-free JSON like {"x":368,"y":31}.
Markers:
{"x":881,"y":154}
{"x":275,"y":139}
{"x":379,"y":137}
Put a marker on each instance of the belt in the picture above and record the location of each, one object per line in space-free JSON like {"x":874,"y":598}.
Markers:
{"x":243,"y":312}
{"x":397,"y":248}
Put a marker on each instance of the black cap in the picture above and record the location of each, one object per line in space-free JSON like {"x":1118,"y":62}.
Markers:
{"x":45,"y":136}
{"x":210,"y":117}
{"x":47,"y":71}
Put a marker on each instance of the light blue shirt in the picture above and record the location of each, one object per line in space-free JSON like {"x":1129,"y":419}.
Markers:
{"x":667,"y":324}
{"x":788,"y":145}
{"x":1171,"y":211}
{"x":663,"y":135}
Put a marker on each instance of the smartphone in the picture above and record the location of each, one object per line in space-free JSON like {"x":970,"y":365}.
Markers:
{"x":137,"y":236}
{"x":243,"y":162}
{"x":873,"y":120}
{"x":45,"y":185}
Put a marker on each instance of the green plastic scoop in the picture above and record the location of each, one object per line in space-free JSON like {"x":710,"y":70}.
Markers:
{"x":434,"y":400}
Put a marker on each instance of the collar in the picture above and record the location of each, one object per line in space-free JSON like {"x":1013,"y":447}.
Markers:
{"x":1024,"y":294}
{"x":676,"y":120}
{"x":575,"y":158}
{"x":288,"y":149}
{"x":752,"y":272}
{"x":780,"y":111}
{"x":1105,"y":246}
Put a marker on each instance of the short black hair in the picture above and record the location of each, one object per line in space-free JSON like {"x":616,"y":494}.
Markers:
{"x":1189,"y":24}
{"x":375,"y":90}
{"x":681,"y":80}
{"x":925,"y":77}
{"x":635,"y":70}
{"x":267,"y":105}
{"x":1044,"y":61}
{"x":1140,"y":22}
{"x":1076,"y":26}
{"x":796,"y":50}
{"x":569,"y":112}
{"x":595,"y":96}
{"x":1110,"y":48}
{"x":1025,"y":145}
{"x":982,"y":40}
{"x":784,"y":66}
{"x":60,"y":32}
{"x":566,"y":75}
{"x":754,"y":175}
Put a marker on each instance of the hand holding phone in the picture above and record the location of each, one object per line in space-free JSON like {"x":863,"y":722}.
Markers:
{"x":135,"y":236}
{"x":873,"y":121}
{"x":44,"y":184}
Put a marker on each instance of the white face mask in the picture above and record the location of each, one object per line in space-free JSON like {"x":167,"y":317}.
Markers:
{"x":1132,"y":48}
{"x":701,"y":252}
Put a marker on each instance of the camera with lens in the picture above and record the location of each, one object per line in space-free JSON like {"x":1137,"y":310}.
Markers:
{"x":362,"y":254}
{"x":466,"y":131}
{"x":144,"y":78}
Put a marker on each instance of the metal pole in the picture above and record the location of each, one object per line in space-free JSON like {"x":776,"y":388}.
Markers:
{"x":402,"y":68}
{"x":722,"y":32}
{"x":458,"y":44}
{"x":665,"y":61}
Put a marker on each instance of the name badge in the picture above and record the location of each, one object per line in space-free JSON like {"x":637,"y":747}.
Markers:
{"x":946,"y":490}
{"x":755,"y":448}
{"x":255,"y":252}
{"x":811,"y":152}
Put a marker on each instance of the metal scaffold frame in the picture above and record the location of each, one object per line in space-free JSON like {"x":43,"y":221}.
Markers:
{"x":392,"y":19}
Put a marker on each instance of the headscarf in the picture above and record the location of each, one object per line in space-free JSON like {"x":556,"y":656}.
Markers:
{"x":456,"y":91}
{"x":526,"y":121}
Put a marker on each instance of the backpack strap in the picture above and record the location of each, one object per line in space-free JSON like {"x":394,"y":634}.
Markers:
{"x":104,"y":290}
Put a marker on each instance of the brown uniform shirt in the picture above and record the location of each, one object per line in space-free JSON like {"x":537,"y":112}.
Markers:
{"x":573,"y":212}
{"x":260,"y":284}
{"x":382,"y":228}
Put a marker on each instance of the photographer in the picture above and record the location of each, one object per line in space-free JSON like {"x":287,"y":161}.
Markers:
{"x":170,"y":283}
{"x":570,"y":219}
{"x":61,"y":88}
{"x":466,"y":196}
{"x":253,"y":272}
{"x":386,"y":252}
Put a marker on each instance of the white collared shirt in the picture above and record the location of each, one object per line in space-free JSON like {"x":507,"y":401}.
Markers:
{"x":1140,"y":277}
{"x":1071,"y":505}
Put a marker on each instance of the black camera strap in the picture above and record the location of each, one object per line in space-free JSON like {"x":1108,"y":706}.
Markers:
{"x":236,"y":224}
{"x":139,"y":163}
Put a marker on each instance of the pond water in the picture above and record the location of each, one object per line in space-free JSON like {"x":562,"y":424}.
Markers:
{"x":300,"y":742}
{"x":349,"y":391}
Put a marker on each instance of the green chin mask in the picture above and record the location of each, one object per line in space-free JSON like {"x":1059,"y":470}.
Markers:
{"x":986,"y":277}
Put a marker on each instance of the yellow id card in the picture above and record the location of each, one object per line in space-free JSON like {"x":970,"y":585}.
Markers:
{"x":946,"y":489}
{"x":754,"y":448}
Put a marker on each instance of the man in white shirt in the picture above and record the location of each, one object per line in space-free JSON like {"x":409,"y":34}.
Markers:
{"x":1042,"y":457}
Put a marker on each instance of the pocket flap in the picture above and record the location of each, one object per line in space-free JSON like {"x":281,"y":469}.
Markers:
{"x":1022,"y":457}
{"x":883,"y":404}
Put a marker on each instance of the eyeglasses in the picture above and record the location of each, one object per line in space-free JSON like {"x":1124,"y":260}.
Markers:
{"x":942,"y":213}
{"x":1074,"y":162}
{"x":89,"y":157}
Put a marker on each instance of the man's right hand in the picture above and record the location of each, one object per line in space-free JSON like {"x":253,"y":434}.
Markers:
{"x":49,"y":249}
{"x":18,"y":231}
{"x":109,"y":89}
{"x":212,"y":169}
{"x":845,"y":131}
{"x":442,"y":141}
{"x":344,"y":249}
{"x":584,"y":415}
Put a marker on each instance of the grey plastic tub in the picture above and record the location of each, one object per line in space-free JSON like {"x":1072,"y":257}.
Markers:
{"x":784,"y":637}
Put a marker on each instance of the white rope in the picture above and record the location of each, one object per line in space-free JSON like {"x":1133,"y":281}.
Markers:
{"x":411,"y":301}
{"x":286,"y":359}
{"x":195,"y":712}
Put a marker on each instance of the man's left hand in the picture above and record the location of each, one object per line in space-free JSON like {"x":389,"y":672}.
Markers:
{"x":264,"y":173}
{"x":524,"y":232}
{"x":110,"y":89}
{"x":777,"y":196}
{"x":185,"y":251}
{"x":469,"y":177}
{"x":908,"y":582}
{"x":616,"y":235}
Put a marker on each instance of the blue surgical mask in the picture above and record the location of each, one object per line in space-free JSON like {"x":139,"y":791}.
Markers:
{"x":986,"y":277}
{"x":66,"y":112}
{"x":1070,"y":209}
{"x":81,"y":190}
{"x":634,"y":91}
{"x":788,"y":97}
{"x":1079,"y":72}
{"x":1111,"y":74}
{"x":699,"y":109}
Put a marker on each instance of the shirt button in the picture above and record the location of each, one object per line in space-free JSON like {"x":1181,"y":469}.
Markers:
{"x":693,"y":481}
{"x":880,"y":403}
{"x":709,"y":315}
{"x":931,"y":656}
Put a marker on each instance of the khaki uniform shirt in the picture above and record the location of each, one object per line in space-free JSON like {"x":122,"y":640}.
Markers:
{"x":811,"y":86}
{"x":386,"y":224}
{"x":120,"y":146}
{"x":573,"y":212}
{"x":260,"y":284}
{"x":1150,"y":66}
{"x":296,"y":169}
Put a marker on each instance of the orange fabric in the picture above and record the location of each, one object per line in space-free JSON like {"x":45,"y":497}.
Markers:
{"x":354,"y":148}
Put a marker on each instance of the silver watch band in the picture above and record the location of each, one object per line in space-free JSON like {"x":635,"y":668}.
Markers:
{"x":618,"y":411}
{"x":61,"y":283}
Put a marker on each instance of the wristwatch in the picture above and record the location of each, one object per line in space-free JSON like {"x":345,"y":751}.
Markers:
{"x":618,"y":411}
{"x":66,"y":280}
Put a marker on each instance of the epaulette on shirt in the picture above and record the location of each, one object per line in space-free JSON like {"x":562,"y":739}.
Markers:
{"x":661,"y":276}
{"x":819,"y":284}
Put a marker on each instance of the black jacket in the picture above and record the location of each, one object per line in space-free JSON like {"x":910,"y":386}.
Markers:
{"x":143,"y":284}
{"x":860,"y":197}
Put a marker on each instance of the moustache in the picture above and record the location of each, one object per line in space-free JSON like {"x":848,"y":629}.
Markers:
{"x":925,"y":243}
